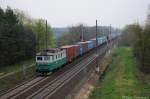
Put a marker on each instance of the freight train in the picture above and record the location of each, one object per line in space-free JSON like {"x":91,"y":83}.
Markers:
{"x":52,"y":59}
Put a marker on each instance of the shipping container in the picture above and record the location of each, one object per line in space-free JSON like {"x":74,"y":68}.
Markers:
{"x":90,"y":45}
{"x":100,"y":40}
{"x":77,"y":50}
{"x":104,"y":39}
{"x":94,"y":42}
{"x":83,"y":47}
{"x":70,"y":52}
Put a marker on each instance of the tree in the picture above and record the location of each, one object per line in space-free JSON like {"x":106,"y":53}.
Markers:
{"x":16,"y":41}
{"x":73,"y":36}
{"x":139,"y":39}
{"x":131,"y":33}
{"x":39,"y":27}
{"x":81,"y":31}
{"x":148,"y":16}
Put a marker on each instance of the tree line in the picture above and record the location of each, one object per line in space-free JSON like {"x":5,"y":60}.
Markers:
{"x":21,"y":36}
{"x":82,"y":32}
{"x":138,"y":37}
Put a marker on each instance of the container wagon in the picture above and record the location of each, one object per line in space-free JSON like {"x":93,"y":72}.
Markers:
{"x":70,"y":52}
{"x":77,"y":50}
{"x":51,"y":59}
{"x":83,"y":47}
{"x":99,"y":41}
{"x":94,"y":42}
{"x":90,"y":45}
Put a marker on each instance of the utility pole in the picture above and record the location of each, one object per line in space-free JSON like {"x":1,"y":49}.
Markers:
{"x":97,"y":66}
{"x":96,"y":49}
{"x":96,"y":39}
{"x":46,"y":35}
{"x":110,"y":37}
{"x":110,"y":31}
{"x":81,"y":27}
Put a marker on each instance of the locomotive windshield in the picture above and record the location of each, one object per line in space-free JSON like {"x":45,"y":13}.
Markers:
{"x":47,"y":58}
{"x":39,"y":58}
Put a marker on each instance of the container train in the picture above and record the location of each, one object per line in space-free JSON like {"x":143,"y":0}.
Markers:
{"x":52,"y":59}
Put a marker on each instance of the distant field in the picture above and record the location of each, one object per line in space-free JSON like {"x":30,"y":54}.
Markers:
{"x":122,"y":80}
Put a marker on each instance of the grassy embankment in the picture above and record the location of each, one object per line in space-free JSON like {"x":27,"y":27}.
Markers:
{"x":123,"y":79}
{"x":12,"y":75}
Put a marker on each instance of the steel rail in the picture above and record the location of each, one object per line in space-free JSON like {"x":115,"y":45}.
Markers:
{"x":58,"y":78}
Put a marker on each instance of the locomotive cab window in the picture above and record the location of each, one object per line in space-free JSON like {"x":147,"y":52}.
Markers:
{"x":56,"y":56}
{"x":52,"y":58}
{"x":46,"y":58}
{"x":39,"y":58}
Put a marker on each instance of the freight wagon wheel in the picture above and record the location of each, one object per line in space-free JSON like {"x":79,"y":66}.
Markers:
{"x":41,"y":74}
{"x":38,"y":74}
{"x":44,"y":74}
{"x":48,"y":74}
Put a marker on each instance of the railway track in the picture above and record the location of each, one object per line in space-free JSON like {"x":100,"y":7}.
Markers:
{"x":49,"y":89}
{"x":44,"y":87}
{"x":23,"y":88}
{"x":12,"y":91}
{"x":19,"y":85}
{"x":21,"y":91}
{"x":57,"y":83}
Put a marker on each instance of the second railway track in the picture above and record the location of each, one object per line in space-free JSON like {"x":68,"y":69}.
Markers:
{"x":44,"y":87}
{"x":53,"y":86}
{"x":24,"y":87}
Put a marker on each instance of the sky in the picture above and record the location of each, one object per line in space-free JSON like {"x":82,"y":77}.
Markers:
{"x":62,"y":13}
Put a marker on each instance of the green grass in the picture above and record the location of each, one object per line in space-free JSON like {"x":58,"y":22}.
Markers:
{"x":121,"y":80}
{"x":12,"y":75}
{"x":12,"y":68}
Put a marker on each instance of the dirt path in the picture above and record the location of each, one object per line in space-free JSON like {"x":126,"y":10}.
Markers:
{"x":85,"y":91}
